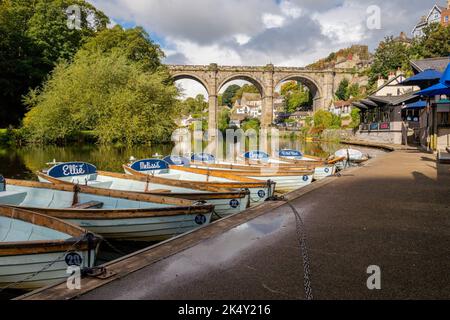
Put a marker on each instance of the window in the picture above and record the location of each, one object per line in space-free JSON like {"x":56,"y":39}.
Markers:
{"x":446,"y":19}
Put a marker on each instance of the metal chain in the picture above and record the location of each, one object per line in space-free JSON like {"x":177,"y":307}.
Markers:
{"x":301,"y":234}
{"x":46,"y":267}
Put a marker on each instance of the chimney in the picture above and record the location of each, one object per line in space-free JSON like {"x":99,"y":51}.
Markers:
{"x":380,"y":82}
{"x":391,"y":76}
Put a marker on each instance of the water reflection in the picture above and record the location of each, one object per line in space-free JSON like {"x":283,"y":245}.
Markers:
{"x":21,"y":163}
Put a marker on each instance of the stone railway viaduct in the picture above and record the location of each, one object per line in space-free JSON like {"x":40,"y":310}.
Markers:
{"x":321,"y":83}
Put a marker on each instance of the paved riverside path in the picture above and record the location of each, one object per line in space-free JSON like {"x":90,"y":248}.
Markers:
{"x":393,"y":213}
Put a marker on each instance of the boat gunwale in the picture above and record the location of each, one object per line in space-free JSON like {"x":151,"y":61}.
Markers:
{"x":224,"y":173}
{"x":281,"y":168}
{"x":120,"y":214}
{"x":77,"y":234}
{"x":126,"y":195}
{"x":223,"y":194}
{"x":253,"y":183}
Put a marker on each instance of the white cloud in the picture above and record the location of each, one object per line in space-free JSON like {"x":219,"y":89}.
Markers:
{"x":242,"y":38}
{"x":257,"y":32}
{"x":272,"y":20}
{"x":290,"y":10}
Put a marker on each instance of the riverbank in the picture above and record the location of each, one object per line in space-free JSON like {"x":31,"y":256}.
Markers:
{"x":392,"y":213}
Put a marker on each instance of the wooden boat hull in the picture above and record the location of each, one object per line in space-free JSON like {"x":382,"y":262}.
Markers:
{"x":226,"y":202}
{"x":320,"y":172}
{"x":127,"y":217}
{"x":259,"y":191}
{"x":38,"y":262}
{"x":285,"y":182}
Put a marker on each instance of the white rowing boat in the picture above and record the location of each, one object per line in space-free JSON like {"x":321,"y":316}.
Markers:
{"x":36,"y":250}
{"x":285,"y":181}
{"x":110,"y":213}
{"x":226,"y":201}
{"x":156,"y":169}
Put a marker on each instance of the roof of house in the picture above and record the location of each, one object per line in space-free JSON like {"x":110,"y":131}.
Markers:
{"x":393,"y":100}
{"x":341,"y":103}
{"x":424,"y":22}
{"x":439,"y":64}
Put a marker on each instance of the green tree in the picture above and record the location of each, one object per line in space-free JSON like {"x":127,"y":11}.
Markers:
{"x":389,"y":56}
{"x":323,"y":120}
{"x":229,"y":94}
{"x":354,"y":92}
{"x":33,"y":37}
{"x":295,"y":96}
{"x":356,"y":117}
{"x":249,"y":124}
{"x":342,"y":91}
{"x":105,"y":93}
{"x":135,"y":43}
{"x":194,"y":106}
{"x":224,"y":119}
{"x":434,"y":43}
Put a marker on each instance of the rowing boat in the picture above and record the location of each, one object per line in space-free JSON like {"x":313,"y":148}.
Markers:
{"x":260,"y":161}
{"x":160,"y":171}
{"x":110,"y":213}
{"x":36,"y":250}
{"x":225,"y":201}
{"x":285,"y":181}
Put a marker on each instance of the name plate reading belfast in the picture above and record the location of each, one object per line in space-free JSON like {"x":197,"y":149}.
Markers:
{"x":72,"y":169}
{"x":150,"y":165}
{"x":290,"y":153}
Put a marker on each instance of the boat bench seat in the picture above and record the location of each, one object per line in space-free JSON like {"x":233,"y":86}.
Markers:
{"x":89,"y":205}
{"x":160,"y":191}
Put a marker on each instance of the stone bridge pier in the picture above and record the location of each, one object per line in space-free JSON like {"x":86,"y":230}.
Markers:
{"x":321,"y":83}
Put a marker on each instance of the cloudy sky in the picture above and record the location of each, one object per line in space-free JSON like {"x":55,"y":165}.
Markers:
{"x":258,"y":32}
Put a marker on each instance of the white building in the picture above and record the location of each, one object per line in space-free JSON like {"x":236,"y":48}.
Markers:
{"x":250,"y":105}
{"x":434,"y":16}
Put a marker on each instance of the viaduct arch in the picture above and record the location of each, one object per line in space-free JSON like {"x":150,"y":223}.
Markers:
{"x":321,"y":83}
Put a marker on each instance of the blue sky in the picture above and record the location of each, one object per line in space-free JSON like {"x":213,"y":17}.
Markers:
{"x":257,"y":32}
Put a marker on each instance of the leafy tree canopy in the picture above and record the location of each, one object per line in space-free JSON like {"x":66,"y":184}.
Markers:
{"x":229,"y":94}
{"x":135,"y":42}
{"x":34,"y":35}
{"x":390,"y":56}
{"x":105,"y":93}
{"x":193,"y":105}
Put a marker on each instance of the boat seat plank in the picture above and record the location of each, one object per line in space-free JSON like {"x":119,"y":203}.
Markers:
{"x":89,"y":205}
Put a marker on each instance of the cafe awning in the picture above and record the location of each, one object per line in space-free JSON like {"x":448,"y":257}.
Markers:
{"x":425,"y":78}
{"x":416,"y":105}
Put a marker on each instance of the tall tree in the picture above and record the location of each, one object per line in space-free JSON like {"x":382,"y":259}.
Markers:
{"x":135,"y":43}
{"x":342,"y":91}
{"x":110,"y":91}
{"x":389,"y":56}
{"x":434,"y":43}
{"x":229,"y":94}
{"x":34,"y":35}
